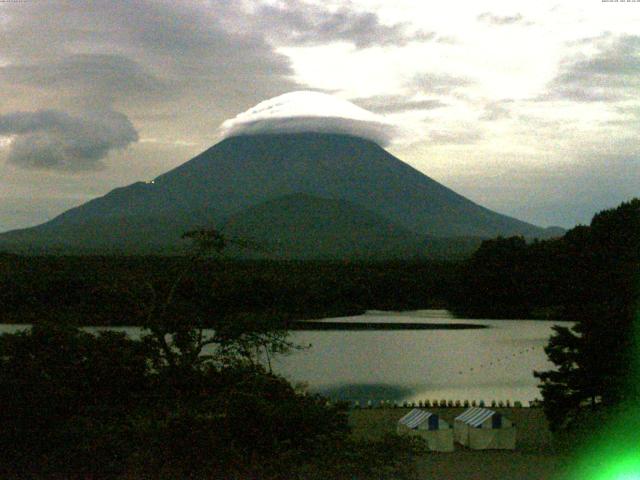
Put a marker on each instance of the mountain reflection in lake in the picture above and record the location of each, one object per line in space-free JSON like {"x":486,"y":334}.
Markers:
{"x":484,"y":364}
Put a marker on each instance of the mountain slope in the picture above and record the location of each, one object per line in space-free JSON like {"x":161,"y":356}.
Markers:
{"x":246,"y":172}
{"x":304,"y":226}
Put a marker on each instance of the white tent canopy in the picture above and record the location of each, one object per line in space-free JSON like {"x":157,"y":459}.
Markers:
{"x":481,"y":428}
{"x":434,"y":430}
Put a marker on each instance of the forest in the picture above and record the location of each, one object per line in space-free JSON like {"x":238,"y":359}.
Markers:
{"x":590,"y":269}
{"x":111,"y":290}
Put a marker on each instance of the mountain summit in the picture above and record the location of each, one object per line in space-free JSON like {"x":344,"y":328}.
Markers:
{"x":278,"y":184}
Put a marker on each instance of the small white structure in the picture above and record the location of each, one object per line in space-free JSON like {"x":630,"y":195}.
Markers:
{"x":482,"y":429}
{"x":437,"y":433}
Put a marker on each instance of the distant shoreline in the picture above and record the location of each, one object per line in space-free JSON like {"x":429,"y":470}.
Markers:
{"x":314,"y":325}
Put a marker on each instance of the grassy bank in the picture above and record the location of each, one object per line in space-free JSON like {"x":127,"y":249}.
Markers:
{"x":535,"y":456}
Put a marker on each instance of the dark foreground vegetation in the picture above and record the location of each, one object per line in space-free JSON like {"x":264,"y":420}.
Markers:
{"x":177,"y":403}
{"x":75,"y":405}
{"x":597,"y":360}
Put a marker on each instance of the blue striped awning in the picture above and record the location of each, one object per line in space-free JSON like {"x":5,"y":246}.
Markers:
{"x":475,"y":416}
{"x":416,"y":417}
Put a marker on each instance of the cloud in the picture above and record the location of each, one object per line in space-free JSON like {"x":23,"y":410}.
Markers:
{"x":308,"y":111}
{"x":398,"y":103}
{"x":106,"y":77}
{"x":499,"y":20}
{"x":610,"y":74}
{"x":302,"y":23}
{"x":455,"y":137}
{"x":55,"y":140}
{"x":496,"y":110}
{"x":438,"y":83}
{"x":202,"y":60}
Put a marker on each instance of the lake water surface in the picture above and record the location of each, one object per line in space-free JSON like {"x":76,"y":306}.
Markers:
{"x":494,"y":363}
{"x":483,"y":364}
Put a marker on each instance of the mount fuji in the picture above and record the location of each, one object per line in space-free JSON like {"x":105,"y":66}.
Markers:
{"x":302,"y":195}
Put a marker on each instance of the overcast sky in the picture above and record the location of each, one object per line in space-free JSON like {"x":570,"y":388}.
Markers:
{"x":529,"y":108}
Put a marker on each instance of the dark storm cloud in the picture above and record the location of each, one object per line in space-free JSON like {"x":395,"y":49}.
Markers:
{"x":498,"y":20}
{"x":204,"y":61}
{"x":397,"y":103}
{"x":609,"y":75}
{"x":54,"y":140}
{"x":302,"y":23}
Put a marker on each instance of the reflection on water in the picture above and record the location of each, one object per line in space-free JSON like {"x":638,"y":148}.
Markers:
{"x":495,"y":363}
{"x":365,"y":392}
{"x":489,"y":364}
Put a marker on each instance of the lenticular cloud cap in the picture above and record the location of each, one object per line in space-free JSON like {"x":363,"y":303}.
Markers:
{"x":307,"y":111}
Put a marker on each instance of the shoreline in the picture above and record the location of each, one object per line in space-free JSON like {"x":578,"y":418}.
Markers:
{"x":315,"y":325}
{"x":301,"y":325}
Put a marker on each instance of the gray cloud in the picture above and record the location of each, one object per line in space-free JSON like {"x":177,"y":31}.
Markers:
{"x":447,"y":40}
{"x":496,"y":110}
{"x":55,"y":140}
{"x":609,"y":75}
{"x":105,"y":77}
{"x":438,"y":83}
{"x":397,"y":103}
{"x":499,"y":20}
{"x":577,"y":93}
{"x":302,"y":23}
{"x":619,"y":58}
{"x":200,"y":61}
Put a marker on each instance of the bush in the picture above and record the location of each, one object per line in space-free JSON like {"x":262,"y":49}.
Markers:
{"x":77,"y":405}
{"x":65,"y":396}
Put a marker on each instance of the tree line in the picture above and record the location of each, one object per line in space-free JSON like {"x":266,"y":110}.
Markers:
{"x":110,"y":290}
{"x":589,"y":269}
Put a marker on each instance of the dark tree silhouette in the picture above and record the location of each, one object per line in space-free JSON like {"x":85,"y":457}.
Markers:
{"x":597,"y":360}
{"x":177,"y":338}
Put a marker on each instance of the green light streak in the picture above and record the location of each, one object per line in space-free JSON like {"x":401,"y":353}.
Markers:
{"x":614,"y":452}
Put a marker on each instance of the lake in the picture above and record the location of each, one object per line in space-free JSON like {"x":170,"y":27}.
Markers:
{"x":494,"y":363}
